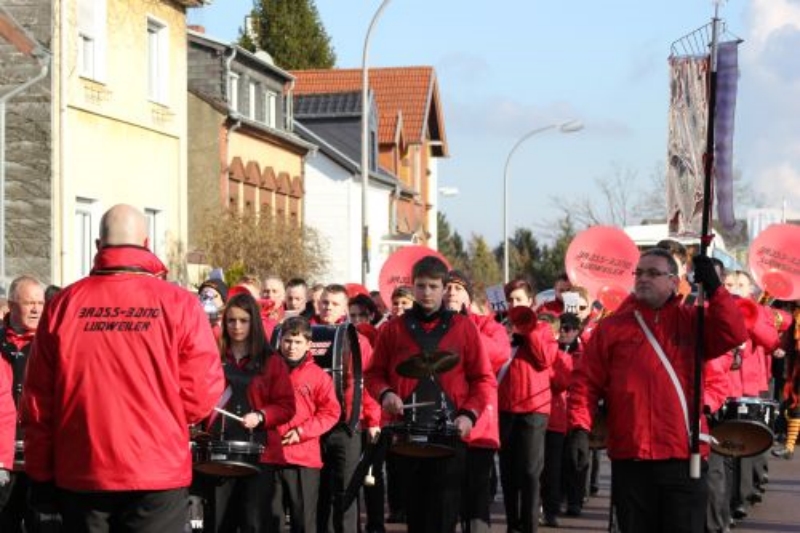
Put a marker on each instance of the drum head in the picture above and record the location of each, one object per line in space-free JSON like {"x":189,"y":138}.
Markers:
{"x":741,"y":438}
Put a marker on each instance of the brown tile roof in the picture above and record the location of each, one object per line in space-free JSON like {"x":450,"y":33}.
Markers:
{"x":407,"y":91}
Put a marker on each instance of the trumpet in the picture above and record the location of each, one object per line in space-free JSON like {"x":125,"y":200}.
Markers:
{"x":522,"y":318}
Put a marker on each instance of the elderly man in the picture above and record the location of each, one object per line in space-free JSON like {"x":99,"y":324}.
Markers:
{"x":26,"y":302}
{"x":122,"y":363}
{"x":641,"y":360}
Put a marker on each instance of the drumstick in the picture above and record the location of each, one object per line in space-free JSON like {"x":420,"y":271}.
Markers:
{"x":418,"y":404}
{"x":228,"y":414}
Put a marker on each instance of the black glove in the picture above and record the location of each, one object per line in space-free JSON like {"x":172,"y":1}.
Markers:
{"x":578,"y":449}
{"x":42,"y":497}
{"x":706,"y":274}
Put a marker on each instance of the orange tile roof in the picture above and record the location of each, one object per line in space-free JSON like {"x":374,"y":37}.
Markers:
{"x":407,"y":90}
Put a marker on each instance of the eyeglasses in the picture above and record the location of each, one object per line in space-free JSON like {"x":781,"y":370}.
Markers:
{"x":650,"y":273}
{"x":567,"y":329}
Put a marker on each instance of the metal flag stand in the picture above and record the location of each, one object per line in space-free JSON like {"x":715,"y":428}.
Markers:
{"x":701,"y":42}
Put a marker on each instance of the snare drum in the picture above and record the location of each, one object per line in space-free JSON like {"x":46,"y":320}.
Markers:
{"x":422,"y":441}
{"x":746,"y":428}
{"x":227,"y":458}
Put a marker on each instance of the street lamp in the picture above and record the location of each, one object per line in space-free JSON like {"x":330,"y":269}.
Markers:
{"x":365,"y":145}
{"x":564,"y":127}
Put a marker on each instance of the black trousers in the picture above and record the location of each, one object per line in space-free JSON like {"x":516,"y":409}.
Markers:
{"x":522,"y":438}
{"x":298,"y":487}
{"x":433,"y":498}
{"x":658,"y":497}
{"x":477,"y":493}
{"x":341,"y":450}
{"x":124,"y":511}
{"x":551,"y":474}
{"x":396,"y":483}
{"x":241,"y":503}
{"x":718,"y":514}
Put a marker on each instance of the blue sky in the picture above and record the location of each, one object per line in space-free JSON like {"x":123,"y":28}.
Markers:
{"x":507,"y":67}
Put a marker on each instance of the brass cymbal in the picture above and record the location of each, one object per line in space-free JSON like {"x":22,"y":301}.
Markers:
{"x":427,"y":364}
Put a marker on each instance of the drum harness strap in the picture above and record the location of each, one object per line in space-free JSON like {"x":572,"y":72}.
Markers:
{"x":501,"y":374}
{"x":672,"y":375}
{"x":429,"y":341}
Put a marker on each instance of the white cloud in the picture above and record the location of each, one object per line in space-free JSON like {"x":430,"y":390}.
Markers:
{"x":768,"y":140}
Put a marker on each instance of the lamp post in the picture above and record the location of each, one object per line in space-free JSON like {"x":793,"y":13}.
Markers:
{"x":365,"y":146}
{"x":564,"y":127}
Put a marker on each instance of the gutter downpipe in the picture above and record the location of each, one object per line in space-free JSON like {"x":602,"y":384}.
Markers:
{"x":233,"y":115}
{"x":62,"y":137}
{"x":43,"y":57}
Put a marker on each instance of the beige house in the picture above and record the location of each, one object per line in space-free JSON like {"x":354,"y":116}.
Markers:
{"x":111,"y":128}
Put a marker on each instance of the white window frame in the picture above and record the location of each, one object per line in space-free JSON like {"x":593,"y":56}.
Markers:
{"x":157,"y":60}
{"x":86,"y":233}
{"x":251,"y":100}
{"x":270,"y":108}
{"x":233,"y":91}
{"x":154,"y":222}
{"x":92,"y":39}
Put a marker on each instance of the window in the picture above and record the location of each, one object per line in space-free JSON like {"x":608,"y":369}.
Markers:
{"x":251,"y":101}
{"x":233,"y":91}
{"x":85,"y":228}
{"x":270,"y":108}
{"x":153,"y":229}
{"x":92,"y":39}
{"x":157,"y":61}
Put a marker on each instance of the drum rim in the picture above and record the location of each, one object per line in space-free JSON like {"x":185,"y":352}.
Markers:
{"x":234,"y":446}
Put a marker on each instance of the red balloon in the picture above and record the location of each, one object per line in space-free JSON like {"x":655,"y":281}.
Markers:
{"x":396,"y":270}
{"x":602,"y":259}
{"x":775,"y":261}
{"x":611,"y":296}
{"x":354,"y":289}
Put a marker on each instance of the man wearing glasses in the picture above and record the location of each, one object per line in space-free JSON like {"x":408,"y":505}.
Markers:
{"x":641,"y":361}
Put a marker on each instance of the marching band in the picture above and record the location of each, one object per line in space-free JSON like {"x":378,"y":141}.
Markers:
{"x":125,"y":403}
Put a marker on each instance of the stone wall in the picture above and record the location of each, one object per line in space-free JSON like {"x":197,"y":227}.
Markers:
{"x":28,"y":148}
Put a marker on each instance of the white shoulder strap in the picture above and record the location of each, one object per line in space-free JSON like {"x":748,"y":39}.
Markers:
{"x":501,"y":374}
{"x":668,"y":366}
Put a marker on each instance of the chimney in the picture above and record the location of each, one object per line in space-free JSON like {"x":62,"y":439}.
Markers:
{"x":197,"y":28}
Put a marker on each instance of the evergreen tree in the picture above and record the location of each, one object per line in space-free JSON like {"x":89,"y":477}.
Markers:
{"x":450,"y":244}
{"x":484,"y":269}
{"x":552,"y":262}
{"x":292,"y":33}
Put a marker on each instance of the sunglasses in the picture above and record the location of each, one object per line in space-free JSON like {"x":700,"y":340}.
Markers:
{"x":567,"y":329}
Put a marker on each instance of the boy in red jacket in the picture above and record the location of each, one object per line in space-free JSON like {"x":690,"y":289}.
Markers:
{"x":295,"y":459}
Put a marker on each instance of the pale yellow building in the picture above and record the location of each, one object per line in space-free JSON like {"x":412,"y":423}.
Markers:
{"x":119,"y":125}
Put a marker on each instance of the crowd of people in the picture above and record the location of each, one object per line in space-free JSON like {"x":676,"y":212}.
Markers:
{"x":130,"y":404}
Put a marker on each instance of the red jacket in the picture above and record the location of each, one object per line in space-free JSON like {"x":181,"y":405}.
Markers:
{"x":8,"y":417}
{"x":121,"y":364}
{"x":526,"y":386}
{"x":469,"y":384}
{"x":271,"y":393}
{"x":752,"y":377}
{"x":645,"y":419}
{"x":317,"y":410}
{"x":486,"y":433}
{"x":560,"y":376}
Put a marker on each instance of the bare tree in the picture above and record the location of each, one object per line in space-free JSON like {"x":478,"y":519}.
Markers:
{"x":262,"y":245}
